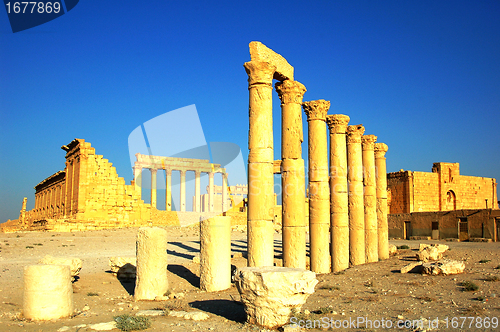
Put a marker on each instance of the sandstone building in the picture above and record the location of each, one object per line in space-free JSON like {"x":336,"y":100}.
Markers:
{"x":442,"y":204}
{"x":442,"y":190}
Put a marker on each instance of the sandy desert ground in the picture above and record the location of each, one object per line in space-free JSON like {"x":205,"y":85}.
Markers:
{"x":376,"y":292}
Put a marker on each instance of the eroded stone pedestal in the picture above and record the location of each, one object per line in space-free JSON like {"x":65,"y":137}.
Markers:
{"x":48,"y":292}
{"x":270,"y":293}
{"x":151,"y":249}
{"x":215,"y":254}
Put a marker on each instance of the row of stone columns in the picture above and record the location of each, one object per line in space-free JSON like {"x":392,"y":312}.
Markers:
{"x":168,"y":183}
{"x":353,"y":204}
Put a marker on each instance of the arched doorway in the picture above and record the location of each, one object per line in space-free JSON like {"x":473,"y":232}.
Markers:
{"x":451,"y":201}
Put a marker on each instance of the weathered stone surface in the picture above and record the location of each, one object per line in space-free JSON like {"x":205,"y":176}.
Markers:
{"x":108,"y":326}
{"x":193,"y":315}
{"x":260,"y":52}
{"x":215,"y":253}
{"x":48,"y":292}
{"x":270,"y":293}
{"x":431,"y":252}
{"x":393,"y":250}
{"x":115,"y":263}
{"x":75,"y":264}
{"x":381,"y":183}
{"x":151,"y":263}
{"x":151,"y":312}
{"x":445,"y":267}
{"x":415,"y":267}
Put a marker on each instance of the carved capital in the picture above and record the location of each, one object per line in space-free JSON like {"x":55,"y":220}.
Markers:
{"x":316,"y":109}
{"x":290,"y":92}
{"x":259,"y":72}
{"x":354,"y":133}
{"x":337,"y":123}
{"x":368,"y":142}
{"x":380,"y":150}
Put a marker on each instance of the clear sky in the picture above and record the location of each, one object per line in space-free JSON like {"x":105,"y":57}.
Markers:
{"x":424,"y":76}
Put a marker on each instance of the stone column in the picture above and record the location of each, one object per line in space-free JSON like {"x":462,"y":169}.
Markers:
{"x":211,"y":198}
{"x":224,"y":192}
{"x":183,"y":191}
{"x":370,"y":198}
{"x":137,"y":178}
{"x":356,"y":201}
{"x":292,"y":176}
{"x":48,"y":292}
{"x":197,"y":196}
{"x":215,"y":253}
{"x":151,"y":252}
{"x":168,"y":190}
{"x":260,"y":213}
{"x":381,"y":182}
{"x":339,"y":207}
{"x":319,"y":190}
{"x":153,"y":187}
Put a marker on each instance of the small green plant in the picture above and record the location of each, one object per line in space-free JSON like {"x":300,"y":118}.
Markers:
{"x":64,"y":245}
{"x":469,"y":286}
{"x":29,"y":247}
{"x":38,"y":244}
{"x":132,"y":323}
{"x":492,"y":278}
{"x":404,"y":246}
{"x":92,"y":294}
{"x":482,"y":261}
{"x":329,"y":287}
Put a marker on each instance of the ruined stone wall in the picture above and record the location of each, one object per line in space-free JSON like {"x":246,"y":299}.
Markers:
{"x":480,"y":223}
{"x":442,"y":190}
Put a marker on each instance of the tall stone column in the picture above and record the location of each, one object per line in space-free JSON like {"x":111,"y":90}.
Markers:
{"x":319,"y":190}
{"x":153,"y":187}
{"x":224,"y":192}
{"x":339,"y":206}
{"x":292,"y":175}
{"x":381,"y":182}
{"x":370,"y":198}
{"x":183,"y":191}
{"x":356,"y":200}
{"x":260,"y":213}
{"x":168,"y":190}
{"x":197,"y":196}
{"x":211,"y":198}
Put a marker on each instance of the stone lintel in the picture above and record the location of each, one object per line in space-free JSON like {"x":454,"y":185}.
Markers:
{"x":316,"y":109}
{"x":260,"y":52}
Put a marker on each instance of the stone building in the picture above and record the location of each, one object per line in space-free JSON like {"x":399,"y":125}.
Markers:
{"x":235,"y":198}
{"x":442,"y":204}
{"x":442,"y":190}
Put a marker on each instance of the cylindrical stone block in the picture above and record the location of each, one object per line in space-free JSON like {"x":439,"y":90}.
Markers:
{"x":48,"y":292}
{"x":151,"y":249}
{"x":370,"y":198}
{"x":381,"y":182}
{"x":356,"y":200}
{"x":339,"y":217}
{"x":215,"y":253}
{"x":260,"y":235}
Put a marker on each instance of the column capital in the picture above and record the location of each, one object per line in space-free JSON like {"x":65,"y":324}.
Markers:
{"x":337,"y":123}
{"x":380,"y":150}
{"x":354,"y":133}
{"x":260,"y":72}
{"x":368,"y":142}
{"x":290,"y":91}
{"x":316,"y":109}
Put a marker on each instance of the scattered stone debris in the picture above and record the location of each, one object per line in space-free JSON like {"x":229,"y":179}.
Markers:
{"x":193,"y":315}
{"x":108,"y":326}
{"x":431,"y":252}
{"x":445,"y":267}
{"x":151,"y":312}
{"x":75,"y":264}
{"x":393,"y":250}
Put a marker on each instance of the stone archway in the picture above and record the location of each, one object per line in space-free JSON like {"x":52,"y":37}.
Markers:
{"x":451,"y":201}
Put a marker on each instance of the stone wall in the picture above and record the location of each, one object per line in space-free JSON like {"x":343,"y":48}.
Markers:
{"x":484,"y":223}
{"x":442,"y":190}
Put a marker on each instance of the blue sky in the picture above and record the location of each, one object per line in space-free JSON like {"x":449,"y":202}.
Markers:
{"x":424,"y":76}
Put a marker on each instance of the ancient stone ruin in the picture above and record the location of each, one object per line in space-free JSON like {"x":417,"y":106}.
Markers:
{"x":357,"y":213}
